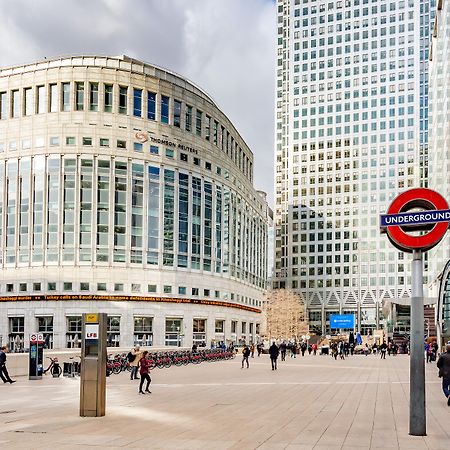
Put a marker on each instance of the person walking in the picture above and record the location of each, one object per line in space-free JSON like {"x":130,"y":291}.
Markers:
{"x":259,"y":348}
{"x":144,"y":369}
{"x":4,"y":375}
{"x":273,"y":352}
{"x":444,"y":372}
{"x":314,"y":349}
{"x":245,"y":355}
{"x":294,"y":350}
{"x":283,"y":349}
{"x":383,"y":348}
{"x":134,"y":356}
{"x":252,"y":350}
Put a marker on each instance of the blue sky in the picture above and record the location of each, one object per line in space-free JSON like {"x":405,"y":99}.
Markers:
{"x":227,"y":47}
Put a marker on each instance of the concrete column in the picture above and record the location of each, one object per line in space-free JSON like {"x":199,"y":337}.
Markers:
{"x":127,"y":328}
{"x":159,"y":330}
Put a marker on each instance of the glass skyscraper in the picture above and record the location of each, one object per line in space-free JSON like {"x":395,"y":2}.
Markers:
{"x":351,"y":133}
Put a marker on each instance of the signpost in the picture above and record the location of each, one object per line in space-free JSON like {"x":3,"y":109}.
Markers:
{"x":433,"y":221}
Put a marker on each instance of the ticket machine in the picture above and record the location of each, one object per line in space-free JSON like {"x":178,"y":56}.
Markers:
{"x":93,"y":365}
{"x":36,"y":356}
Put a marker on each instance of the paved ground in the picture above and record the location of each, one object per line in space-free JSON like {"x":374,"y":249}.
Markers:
{"x":309,"y":403}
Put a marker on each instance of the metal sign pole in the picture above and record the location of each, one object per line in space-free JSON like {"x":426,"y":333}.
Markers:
{"x":417,"y":413}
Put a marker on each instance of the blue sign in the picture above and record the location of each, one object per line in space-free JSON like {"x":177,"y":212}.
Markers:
{"x":415,"y":218}
{"x":342,"y":321}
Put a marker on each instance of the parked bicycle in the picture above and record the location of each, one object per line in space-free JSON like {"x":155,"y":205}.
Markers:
{"x":54,"y":368}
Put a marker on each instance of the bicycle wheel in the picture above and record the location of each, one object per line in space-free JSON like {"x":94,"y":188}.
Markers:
{"x":117,"y":368}
{"x":56,"y":370}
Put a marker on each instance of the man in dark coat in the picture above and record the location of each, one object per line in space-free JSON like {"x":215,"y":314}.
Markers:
{"x":273,"y":352}
{"x":4,"y":375}
{"x":444,"y":372}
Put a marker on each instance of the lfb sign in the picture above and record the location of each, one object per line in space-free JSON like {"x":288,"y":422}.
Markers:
{"x":401,"y":223}
{"x":92,"y":332}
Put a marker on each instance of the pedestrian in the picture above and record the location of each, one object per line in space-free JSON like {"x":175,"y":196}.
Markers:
{"x":389,"y":348}
{"x":273,"y":352}
{"x":444,"y":372}
{"x":294,"y":350}
{"x":252,"y":350}
{"x":259,"y":348}
{"x":383,"y":348}
{"x":341,"y":350}
{"x":134,"y":357}
{"x":4,"y":375}
{"x":245,"y":355}
{"x":303,"y":347}
{"x":334,"y":350}
{"x":314,"y":349}
{"x":283,"y":349}
{"x":144,"y":369}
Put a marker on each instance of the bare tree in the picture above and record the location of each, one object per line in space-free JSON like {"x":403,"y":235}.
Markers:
{"x":285,"y":315}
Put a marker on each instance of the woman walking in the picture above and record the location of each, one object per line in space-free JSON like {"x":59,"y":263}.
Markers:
{"x":144,"y":368}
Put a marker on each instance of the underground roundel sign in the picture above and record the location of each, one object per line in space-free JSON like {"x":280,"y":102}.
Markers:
{"x":413,"y":211}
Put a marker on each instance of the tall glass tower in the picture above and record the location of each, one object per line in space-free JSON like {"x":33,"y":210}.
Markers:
{"x":351,"y":133}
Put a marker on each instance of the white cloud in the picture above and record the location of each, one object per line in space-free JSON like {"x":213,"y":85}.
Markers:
{"x":227,"y":47}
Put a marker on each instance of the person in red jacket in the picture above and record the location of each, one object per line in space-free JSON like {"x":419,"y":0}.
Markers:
{"x":144,"y":369}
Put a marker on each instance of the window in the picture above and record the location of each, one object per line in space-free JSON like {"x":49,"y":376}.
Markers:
{"x":198,"y":123}
{"x":177,"y":113}
{"x":184,"y":157}
{"x":3,"y":106}
{"x":79,"y":96}
{"x":87,"y":141}
{"x":67,"y":286}
{"x":104,"y":142}
{"x":137,"y":102}
{"x":108,"y":98}
{"x":118,"y":287}
{"x":188,"y":118}
{"x":167,"y":289}
{"x":51,"y":286}
{"x":15,"y":105}
{"x":41,"y":100}
{"x":154,"y":149}
{"x":84,"y":286}
{"x":121,"y":144}
{"x":53,"y":98}
{"x":151,"y":106}
{"x":169,"y":153}
{"x":28,"y":98}
{"x":22,"y":287}
{"x":194,"y":291}
{"x":164,"y":109}
{"x":152,"y":288}
{"x":123,"y":99}
{"x":70,"y":140}
{"x":66,"y":96}
{"x":9,"y":287}
{"x":101,"y":286}
{"x":93,"y":96}
{"x":135,"y":287}
{"x":182,"y":290}
{"x":138,"y":147}
{"x":220,"y":326}
{"x":36,"y":287}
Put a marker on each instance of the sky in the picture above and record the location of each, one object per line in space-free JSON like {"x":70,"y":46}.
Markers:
{"x":226,"y":47}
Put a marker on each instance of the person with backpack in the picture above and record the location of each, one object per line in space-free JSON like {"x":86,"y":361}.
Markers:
{"x":245,"y":355}
{"x":133,"y":358}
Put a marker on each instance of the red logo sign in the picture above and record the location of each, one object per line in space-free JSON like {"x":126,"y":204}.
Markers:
{"x":426,"y":200}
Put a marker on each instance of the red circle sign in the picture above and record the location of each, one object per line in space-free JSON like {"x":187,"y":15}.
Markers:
{"x":426,"y":199}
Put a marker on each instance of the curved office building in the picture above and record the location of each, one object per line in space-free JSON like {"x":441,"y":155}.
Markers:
{"x":124,"y":189}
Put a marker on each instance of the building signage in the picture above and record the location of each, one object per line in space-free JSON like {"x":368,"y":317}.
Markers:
{"x":36,"y":337}
{"x":116,"y":298}
{"x":91,"y":331}
{"x":433,"y":218}
{"x":342,"y":321}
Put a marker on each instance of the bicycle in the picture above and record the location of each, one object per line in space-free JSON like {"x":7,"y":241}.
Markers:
{"x":54,"y":368}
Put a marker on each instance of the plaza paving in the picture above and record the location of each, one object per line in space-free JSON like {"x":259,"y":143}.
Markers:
{"x":308,"y":403}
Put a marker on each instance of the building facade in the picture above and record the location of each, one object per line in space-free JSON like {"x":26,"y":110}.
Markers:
{"x":439,"y":155}
{"x":124,"y":189}
{"x":350,"y":135}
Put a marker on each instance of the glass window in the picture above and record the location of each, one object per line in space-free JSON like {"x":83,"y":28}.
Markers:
{"x":182,"y":290}
{"x":138,"y":147}
{"x":198,"y":123}
{"x":167,"y":289}
{"x":15,"y":105}
{"x":137,"y":102}
{"x":36,"y":287}
{"x":87,"y":141}
{"x":22,"y":287}
{"x":54,"y":98}
{"x":41,"y":101}
{"x":51,"y":286}
{"x":177,"y":113}
{"x":121,"y":144}
{"x":164,"y":109}
{"x":67,"y":286}
{"x":28,"y":97}
{"x":123,"y":99}
{"x":84,"y":286}
{"x":154,"y":149}
{"x":152,"y":288}
{"x":79,"y":96}
{"x":66,"y":96}
{"x":3,"y":106}
{"x":101,"y":286}
{"x":104,"y":142}
{"x":118,"y":287}
{"x":151,"y":106}
{"x":108,"y":97}
{"x":93,"y":96}
{"x":135,"y":287}
{"x":188,"y":118}
{"x":220,"y":326}
{"x":169,"y":153}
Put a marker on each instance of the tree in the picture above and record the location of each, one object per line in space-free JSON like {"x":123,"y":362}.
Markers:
{"x":285,"y":315}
